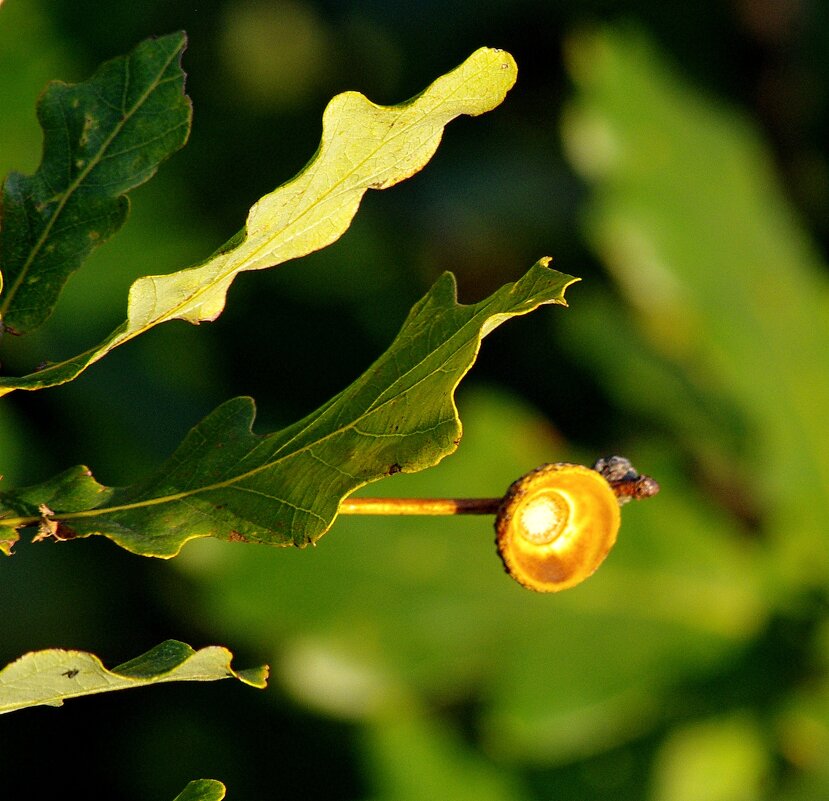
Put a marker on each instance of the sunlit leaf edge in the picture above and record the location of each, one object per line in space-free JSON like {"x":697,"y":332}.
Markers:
{"x":51,"y":676}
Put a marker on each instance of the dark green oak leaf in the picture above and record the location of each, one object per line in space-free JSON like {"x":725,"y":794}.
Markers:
{"x":102,"y":138}
{"x":285,"y":488}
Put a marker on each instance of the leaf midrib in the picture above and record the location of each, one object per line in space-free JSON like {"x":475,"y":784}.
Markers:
{"x":237,"y":265}
{"x":276,"y":461}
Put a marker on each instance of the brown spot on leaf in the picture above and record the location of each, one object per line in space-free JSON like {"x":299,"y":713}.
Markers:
{"x":62,"y":532}
{"x":236,"y":536}
{"x":395,"y":468}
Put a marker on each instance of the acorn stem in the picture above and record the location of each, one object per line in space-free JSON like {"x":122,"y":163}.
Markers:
{"x":420,"y":506}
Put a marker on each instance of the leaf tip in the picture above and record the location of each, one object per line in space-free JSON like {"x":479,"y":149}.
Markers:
{"x":502,"y":70}
{"x":201,"y":789}
{"x":546,"y":262}
{"x":8,"y":543}
{"x":254,"y":677}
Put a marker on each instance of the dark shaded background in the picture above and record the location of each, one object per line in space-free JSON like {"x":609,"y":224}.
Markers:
{"x":406,"y":666}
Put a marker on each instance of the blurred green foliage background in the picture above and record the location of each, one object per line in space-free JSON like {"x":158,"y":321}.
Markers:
{"x":674,"y":157}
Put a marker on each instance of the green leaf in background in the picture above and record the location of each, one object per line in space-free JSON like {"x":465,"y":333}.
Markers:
{"x":802,"y":728}
{"x":102,"y":138}
{"x":721,"y":759}
{"x":50,"y":677}
{"x":26,"y":30}
{"x":727,"y":290}
{"x":202,"y":790}
{"x":364,"y":146}
{"x":412,"y":757}
{"x":225,"y":481}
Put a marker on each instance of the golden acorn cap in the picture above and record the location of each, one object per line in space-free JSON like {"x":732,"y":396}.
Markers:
{"x":556,"y":525}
